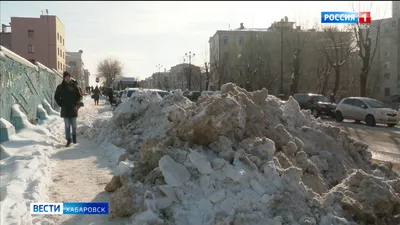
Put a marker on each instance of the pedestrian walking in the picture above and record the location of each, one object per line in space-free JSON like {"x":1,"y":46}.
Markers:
{"x":96,"y":95}
{"x":67,"y":96}
{"x":111,"y":96}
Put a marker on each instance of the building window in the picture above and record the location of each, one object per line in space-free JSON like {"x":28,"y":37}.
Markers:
{"x":72,"y":63}
{"x":58,"y":36}
{"x":31,"y":48}
{"x":226,"y":40}
{"x":387,"y":91}
{"x":387,"y":76}
{"x":63,"y":56}
{"x":58,"y":51}
{"x":63,"y":42}
{"x":31,"y":33}
{"x":241,"y":41}
{"x":394,"y":23}
{"x":387,"y":65}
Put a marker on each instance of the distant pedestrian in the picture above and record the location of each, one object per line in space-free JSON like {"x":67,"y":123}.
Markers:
{"x":111,"y":96}
{"x":96,"y":95}
{"x":67,"y":96}
{"x":332,"y":98}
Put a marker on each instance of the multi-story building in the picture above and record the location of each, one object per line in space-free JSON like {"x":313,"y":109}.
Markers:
{"x":86,"y":78}
{"x":37,"y":40}
{"x":234,"y":54}
{"x":76,"y":67}
{"x":179,"y":75}
{"x":384,"y":77}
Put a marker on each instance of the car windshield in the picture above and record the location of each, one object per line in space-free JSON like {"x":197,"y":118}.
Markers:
{"x":319,"y":98}
{"x":375,"y":103}
{"x":162,"y":93}
{"x":130,"y":93}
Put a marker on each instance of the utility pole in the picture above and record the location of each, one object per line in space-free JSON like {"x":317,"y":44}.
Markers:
{"x":189,"y":55}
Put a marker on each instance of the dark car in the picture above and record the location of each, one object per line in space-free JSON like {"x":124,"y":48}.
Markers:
{"x":395,"y":102}
{"x":194,"y":95}
{"x":318,"y":104}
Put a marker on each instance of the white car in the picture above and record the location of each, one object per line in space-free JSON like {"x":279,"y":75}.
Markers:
{"x":127,"y":93}
{"x":207,"y":93}
{"x":366,"y":109}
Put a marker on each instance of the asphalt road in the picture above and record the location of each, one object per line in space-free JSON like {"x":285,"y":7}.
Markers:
{"x":383,"y":141}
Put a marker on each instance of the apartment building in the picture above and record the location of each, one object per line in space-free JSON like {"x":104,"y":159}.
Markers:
{"x":86,"y":77}
{"x":236,"y":52}
{"x":37,"y":40}
{"x":384,"y":77}
{"x":76,"y":67}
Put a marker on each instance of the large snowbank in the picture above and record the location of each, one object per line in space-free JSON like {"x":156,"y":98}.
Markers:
{"x":241,"y":158}
{"x":25,"y":169}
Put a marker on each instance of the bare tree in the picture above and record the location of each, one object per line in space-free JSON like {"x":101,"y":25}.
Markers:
{"x":250,"y":61}
{"x":109,"y":69}
{"x":367,"y":41}
{"x":366,"y":50}
{"x":323,"y":75}
{"x":299,"y":40}
{"x":218,"y":66}
{"x":336,"y":48}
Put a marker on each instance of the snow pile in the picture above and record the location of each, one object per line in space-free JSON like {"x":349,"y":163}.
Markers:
{"x":145,"y":115}
{"x":240,"y":158}
{"x":25,"y":167}
{"x":49,"y":109}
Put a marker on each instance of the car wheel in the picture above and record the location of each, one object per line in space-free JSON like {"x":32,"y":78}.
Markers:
{"x":391,"y":125}
{"x":315,"y":113}
{"x":370,"y":120}
{"x":338,"y":116}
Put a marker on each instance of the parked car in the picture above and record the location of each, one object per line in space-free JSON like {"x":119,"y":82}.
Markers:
{"x":318,"y":104}
{"x":207,"y":93}
{"x":127,"y":93}
{"x":395,"y":102}
{"x":160,"y":92}
{"x":194,"y":95}
{"x":186,"y":94}
{"x":369,"y":110}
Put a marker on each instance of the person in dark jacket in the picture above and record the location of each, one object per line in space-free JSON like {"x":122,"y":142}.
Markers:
{"x":67,"y":96}
{"x":96,"y":93}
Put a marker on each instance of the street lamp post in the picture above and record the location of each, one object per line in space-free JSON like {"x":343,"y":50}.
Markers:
{"x":189,"y":56}
{"x":159,"y":66}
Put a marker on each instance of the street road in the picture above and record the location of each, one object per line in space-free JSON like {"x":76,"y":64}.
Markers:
{"x":383,"y":141}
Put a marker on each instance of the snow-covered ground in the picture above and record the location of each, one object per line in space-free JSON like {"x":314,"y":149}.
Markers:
{"x":36,"y":167}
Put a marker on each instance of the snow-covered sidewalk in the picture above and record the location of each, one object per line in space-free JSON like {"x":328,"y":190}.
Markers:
{"x":36,"y":167}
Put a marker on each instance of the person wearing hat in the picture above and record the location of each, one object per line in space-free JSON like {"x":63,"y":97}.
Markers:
{"x":67,"y":96}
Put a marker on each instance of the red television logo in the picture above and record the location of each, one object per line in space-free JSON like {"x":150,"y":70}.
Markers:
{"x":364,"y":17}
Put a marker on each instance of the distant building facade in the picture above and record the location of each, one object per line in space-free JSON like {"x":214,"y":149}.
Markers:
{"x":76,"y":67}
{"x":37,"y":40}
{"x":384,"y":77}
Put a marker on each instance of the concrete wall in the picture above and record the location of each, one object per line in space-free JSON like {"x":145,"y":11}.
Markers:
{"x":25,"y":84}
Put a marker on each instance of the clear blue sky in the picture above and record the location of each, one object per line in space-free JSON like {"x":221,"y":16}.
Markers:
{"x":144,"y":34}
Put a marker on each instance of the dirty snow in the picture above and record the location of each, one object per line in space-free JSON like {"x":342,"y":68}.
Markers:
{"x":36,"y":167}
{"x":241,"y":158}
